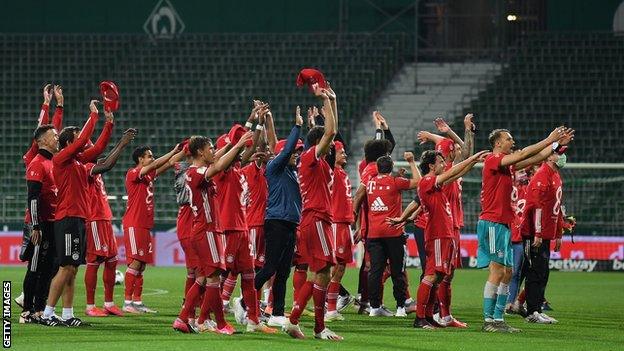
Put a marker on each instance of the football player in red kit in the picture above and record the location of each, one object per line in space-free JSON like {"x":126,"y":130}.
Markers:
{"x":439,"y":233}
{"x":139,"y":219}
{"x":206,"y":242}
{"x":315,"y":242}
{"x":342,"y":212}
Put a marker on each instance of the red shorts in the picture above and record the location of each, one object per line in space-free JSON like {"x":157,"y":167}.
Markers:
{"x":208,"y":248}
{"x":100,"y":240}
{"x":440,"y":255}
{"x":317,"y":243}
{"x":256,"y":237}
{"x":191,"y":259}
{"x":184,"y":223}
{"x":138,"y":243}
{"x":344,"y":242}
{"x":238,"y":256}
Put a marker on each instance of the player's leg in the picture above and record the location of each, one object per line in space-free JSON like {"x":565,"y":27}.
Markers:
{"x":282,"y":272}
{"x":378,"y":262}
{"x":419,"y":236}
{"x":395,"y":250}
{"x":132,"y":272}
{"x":228,"y":286}
{"x":333,"y":288}
{"x":504,"y":256}
{"x":514,"y":285}
{"x":90,"y":281}
{"x":47,"y":267}
{"x":108,"y":278}
{"x":533,"y":284}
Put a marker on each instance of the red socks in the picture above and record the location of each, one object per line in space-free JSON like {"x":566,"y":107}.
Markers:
{"x":319,"y":294}
{"x":131,"y":275}
{"x":299,"y":279}
{"x":108,"y":278}
{"x":332,"y":295}
{"x":137,"y":294}
{"x":422,"y":297}
{"x":444,"y":296}
{"x":190,"y":280}
{"x":522,"y":297}
{"x":432,"y":300}
{"x":250,"y":296}
{"x":212,"y":302}
{"x":90,"y":280}
{"x":191,"y":299}
{"x":228,"y":286}
{"x":301,"y":300}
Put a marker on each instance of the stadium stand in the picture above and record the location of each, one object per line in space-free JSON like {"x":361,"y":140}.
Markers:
{"x":199,"y":83}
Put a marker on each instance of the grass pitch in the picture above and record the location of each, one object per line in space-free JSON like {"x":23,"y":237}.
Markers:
{"x":589,"y":307}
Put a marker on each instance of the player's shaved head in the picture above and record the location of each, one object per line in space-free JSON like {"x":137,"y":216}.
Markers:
{"x":196,"y":143}
{"x":67,"y":136}
{"x":374,"y":149}
{"x":41,"y":130}
{"x":495,"y":135}
{"x":385,"y":164}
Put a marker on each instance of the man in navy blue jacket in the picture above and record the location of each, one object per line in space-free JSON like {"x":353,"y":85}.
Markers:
{"x":282,"y":217}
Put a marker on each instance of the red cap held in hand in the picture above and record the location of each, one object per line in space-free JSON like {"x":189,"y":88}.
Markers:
{"x":236,"y":132}
{"x":445,"y":146}
{"x":110,"y":95}
{"x":310,"y":76}
{"x":282,"y":143}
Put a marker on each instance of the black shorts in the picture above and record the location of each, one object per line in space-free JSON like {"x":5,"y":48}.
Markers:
{"x":44,"y":253}
{"x":70,"y":241}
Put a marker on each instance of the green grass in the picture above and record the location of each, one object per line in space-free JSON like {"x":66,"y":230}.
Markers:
{"x":589,"y":307}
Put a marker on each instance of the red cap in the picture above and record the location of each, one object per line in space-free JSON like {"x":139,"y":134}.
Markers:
{"x":310,"y":76}
{"x":282,"y":143}
{"x":236,"y":132}
{"x":222,"y":141}
{"x":445,"y":146}
{"x":338,"y":145}
{"x":110,"y":95}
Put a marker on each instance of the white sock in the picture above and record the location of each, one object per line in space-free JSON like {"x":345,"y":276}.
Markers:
{"x":90,"y":306}
{"x":137,"y":302}
{"x":127,"y":302}
{"x":489,"y":291}
{"x":503,"y":289}
{"x":68,"y":313}
{"x":408,"y":301}
{"x":265,"y":297}
{"x":109,"y":304}
{"x":48,"y":312}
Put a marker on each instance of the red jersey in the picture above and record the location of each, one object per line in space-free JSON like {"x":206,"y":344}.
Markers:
{"x":99,"y":208}
{"x":258,"y":193}
{"x":202,"y":195}
{"x":496,"y":191}
{"x":451,"y":191}
{"x":518,"y":203}
{"x":383,"y":194}
{"x":342,"y":201}
{"x":40,"y":170}
{"x":421,"y":219}
{"x":71,"y":176}
{"x":232,"y":195}
{"x":315,"y":180}
{"x":140,"y":206}
{"x":542,"y":214}
{"x":460,"y":206}
{"x":440,"y":223}
{"x":368,"y":172}
{"x":44,"y":118}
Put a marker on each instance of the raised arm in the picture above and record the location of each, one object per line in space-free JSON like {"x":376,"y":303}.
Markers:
{"x":57,"y":119}
{"x":226,"y":160}
{"x":110,"y":160}
{"x":85,"y":134}
{"x":44,"y":118}
{"x":547,"y":151}
{"x":469,"y":132}
{"x":409,"y":157}
{"x":159,"y":162}
{"x":443,"y":127}
{"x":249,"y":151}
{"x":330,"y":124}
{"x":464,"y":166}
{"x":424,"y":137}
{"x":531,"y":150}
{"x":383,"y":130}
{"x":281,"y":160}
{"x":271,"y":137}
{"x":91,"y":154}
{"x":358,"y":198}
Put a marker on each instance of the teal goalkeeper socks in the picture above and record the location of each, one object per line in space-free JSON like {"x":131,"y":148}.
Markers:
{"x":488,"y":307}
{"x":499,"y":310}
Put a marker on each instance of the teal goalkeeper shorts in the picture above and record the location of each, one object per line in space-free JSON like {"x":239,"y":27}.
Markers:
{"x":494,"y":244}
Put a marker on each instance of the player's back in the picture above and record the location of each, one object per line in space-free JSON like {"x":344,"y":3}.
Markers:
{"x":315,"y":179}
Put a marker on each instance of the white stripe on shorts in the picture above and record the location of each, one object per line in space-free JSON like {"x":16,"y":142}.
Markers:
{"x":96,"y":237}
{"x":214,"y":253}
{"x":492,"y":239}
{"x":133,"y":246}
{"x":254,"y":244}
{"x":437,"y":252}
{"x":321,"y":235}
{"x":67,"y":244}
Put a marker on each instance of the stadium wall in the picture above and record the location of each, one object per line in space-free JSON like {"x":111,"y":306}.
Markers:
{"x":588,"y":254}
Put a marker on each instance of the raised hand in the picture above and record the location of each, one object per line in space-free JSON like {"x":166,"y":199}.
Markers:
{"x":423,"y":137}
{"x":129,"y":135}
{"x":568,"y":136}
{"x":47,"y":94}
{"x":381,"y":120}
{"x":58,"y":94}
{"x":408,"y":156}
{"x":243,"y":140}
{"x":395,"y":221}
{"x":330,"y":92}
{"x":469,"y":123}
{"x":402,"y":172}
{"x":298,"y":118}
{"x":93,"y":107}
{"x":441,"y":124}
{"x":557,"y":134}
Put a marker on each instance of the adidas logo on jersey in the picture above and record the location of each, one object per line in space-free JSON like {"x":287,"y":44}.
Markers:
{"x":378,"y":205}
